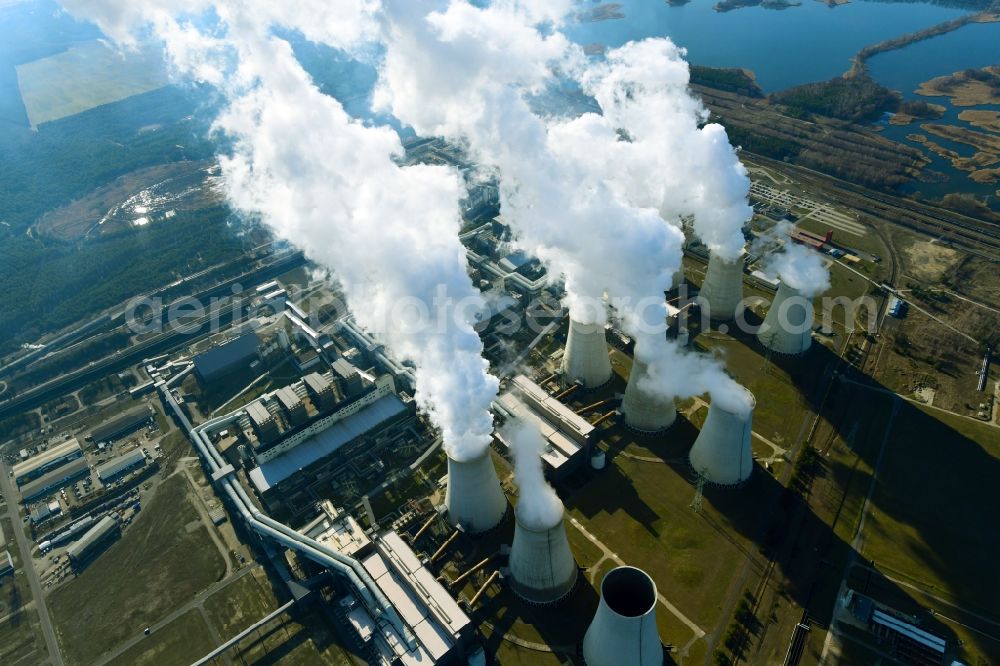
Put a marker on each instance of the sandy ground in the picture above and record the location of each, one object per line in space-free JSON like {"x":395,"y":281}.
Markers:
{"x":928,"y":261}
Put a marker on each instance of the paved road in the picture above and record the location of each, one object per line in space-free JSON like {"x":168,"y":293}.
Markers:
{"x":24,"y":546}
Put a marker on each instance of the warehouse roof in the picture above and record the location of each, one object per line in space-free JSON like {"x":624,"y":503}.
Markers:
{"x":53,"y":453}
{"x":129,"y":421}
{"x":119,"y":464}
{"x":94,"y":535}
{"x":324,"y":443}
{"x":53,"y":478}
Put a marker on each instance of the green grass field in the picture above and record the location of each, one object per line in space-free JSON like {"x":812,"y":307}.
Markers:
{"x":183,"y":641}
{"x":83,"y":77}
{"x":162,"y":561}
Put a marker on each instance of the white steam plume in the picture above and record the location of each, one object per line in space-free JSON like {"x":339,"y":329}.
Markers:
{"x":329,"y":184}
{"x":538,"y":506}
{"x":796,"y":265}
{"x":650,"y":145}
{"x":575,"y":193}
{"x":464,"y":73}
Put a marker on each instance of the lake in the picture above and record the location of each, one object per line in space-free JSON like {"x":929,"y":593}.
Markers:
{"x":814,"y":42}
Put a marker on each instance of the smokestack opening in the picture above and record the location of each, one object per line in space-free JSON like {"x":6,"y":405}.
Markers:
{"x":628,"y":591}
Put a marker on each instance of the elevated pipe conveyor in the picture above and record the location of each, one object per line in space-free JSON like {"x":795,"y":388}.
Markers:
{"x":350,"y":568}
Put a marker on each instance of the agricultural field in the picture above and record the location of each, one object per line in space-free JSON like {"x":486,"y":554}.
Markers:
{"x":85,"y":76}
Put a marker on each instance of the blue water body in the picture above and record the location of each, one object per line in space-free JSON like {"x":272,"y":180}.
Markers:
{"x":811,"y":42}
{"x":974,"y":45}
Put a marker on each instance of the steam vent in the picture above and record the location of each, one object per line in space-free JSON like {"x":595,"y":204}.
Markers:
{"x":643,"y":410}
{"x":586,"y":358}
{"x":623,"y":632}
{"x":474,"y":497}
{"x":722,"y":452}
{"x":542,"y":567}
{"x":787,"y":328}
{"x":722,"y":291}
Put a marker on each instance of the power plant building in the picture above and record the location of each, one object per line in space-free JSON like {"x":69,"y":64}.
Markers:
{"x":218,"y":362}
{"x":291,"y":403}
{"x":280,"y":478}
{"x":441,"y":630}
{"x":120,"y":465}
{"x":567,"y":435}
{"x":320,"y":391}
{"x":262,"y":422}
{"x":47,"y":460}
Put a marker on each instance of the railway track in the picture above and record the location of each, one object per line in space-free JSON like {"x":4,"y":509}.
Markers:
{"x":975,"y":236}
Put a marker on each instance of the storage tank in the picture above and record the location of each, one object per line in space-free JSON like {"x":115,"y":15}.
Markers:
{"x":586,"y":357}
{"x":542,"y":567}
{"x":624,"y":632}
{"x":722,"y":452}
{"x":474,"y":497}
{"x":645,"y":410}
{"x":787,"y":328}
{"x":721,"y":293}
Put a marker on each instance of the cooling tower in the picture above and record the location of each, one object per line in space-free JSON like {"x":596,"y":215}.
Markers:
{"x":474,"y":497}
{"x":787,"y":328}
{"x":677,"y":279}
{"x":586,"y":357}
{"x":542,"y":567}
{"x":722,"y":453}
{"x":643,"y":410}
{"x":623,"y":632}
{"x":722,"y":291}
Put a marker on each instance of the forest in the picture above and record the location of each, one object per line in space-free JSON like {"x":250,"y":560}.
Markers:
{"x":48,"y":285}
{"x":855,"y":99}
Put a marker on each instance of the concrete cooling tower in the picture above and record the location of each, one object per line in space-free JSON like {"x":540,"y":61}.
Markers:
{"x":722,"y":291}
{"x":787,"y":328}
{"x":722,"y":452}
{"x":643,"y":410}
{"x":542,"y":567}
{"x":624,"y":631}
{"x":474,"y":497}
{"x":586,"y":357}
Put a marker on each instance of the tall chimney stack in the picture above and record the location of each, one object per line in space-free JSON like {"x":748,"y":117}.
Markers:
{"x":624,"y":632}
{"x":586,"y":357}
{"x":474,"y":497}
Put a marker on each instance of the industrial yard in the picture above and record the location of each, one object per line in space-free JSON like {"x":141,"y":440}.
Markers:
{"x":709,"y":549}
{"x":275,"y":494}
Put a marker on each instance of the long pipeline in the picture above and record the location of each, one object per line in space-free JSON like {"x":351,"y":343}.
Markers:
{"x":266,"y":526}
